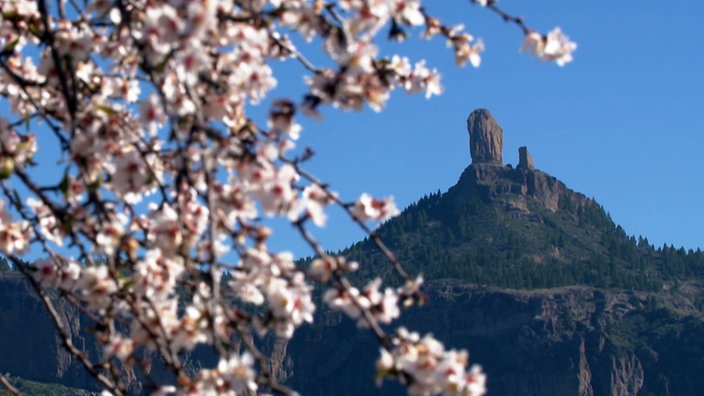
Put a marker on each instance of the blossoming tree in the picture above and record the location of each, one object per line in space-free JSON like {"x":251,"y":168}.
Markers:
{"x":152,"y":220}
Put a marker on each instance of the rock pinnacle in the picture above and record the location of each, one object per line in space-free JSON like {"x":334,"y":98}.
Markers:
{"x":486,"y":138}
{"x":525,"y":161}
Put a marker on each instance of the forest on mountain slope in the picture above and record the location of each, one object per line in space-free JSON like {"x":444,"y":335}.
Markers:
{"x":486,"y":244}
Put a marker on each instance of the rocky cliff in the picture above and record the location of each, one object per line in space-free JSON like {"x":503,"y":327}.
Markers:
{"x":568,"y":341}
{"x":29,"y":345}
{"x":490,"y":182}
{"x":30,"y":348}
{"x":485,"y":179}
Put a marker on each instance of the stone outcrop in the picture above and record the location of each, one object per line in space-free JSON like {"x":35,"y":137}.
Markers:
{"x":491,"y":183}
{"x":525,"y":161}
{"x":486,"y":138}
{"x":487,"y":181}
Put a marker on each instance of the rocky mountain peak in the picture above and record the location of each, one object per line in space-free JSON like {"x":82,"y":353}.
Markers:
{"x":525,"y":161}
{"x":483,"y":178}
{"x":486,"y":138}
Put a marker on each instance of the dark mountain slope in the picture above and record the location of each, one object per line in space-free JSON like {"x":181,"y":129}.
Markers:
{"x":567,"y":341}
{"x":524,"y":229}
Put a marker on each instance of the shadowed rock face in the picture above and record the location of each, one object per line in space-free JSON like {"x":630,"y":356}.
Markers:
{"x":542,"y":343}
{"x":546,"y":343}
{"x":29,"y":345}
{"x":486,"y":138}
{"x":492,"y":184}
{"x":31,"y":348}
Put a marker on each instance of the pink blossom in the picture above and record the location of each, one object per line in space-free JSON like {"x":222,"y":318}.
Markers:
{"x":368,"y":208}
{"x":152,"y":114}
{"x":556,"y":46}
{"x":14,"y":236}
{"x":48,"y":225}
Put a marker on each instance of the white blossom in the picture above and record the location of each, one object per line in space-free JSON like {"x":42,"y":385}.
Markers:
{"x":556,"y":46}
{"x":369,"y":208}
{"x":14,"y":236}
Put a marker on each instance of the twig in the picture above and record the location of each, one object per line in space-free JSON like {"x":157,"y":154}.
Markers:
{"x":491,"y":5}
{"x":48,"y":38}
{"x":296,"y":54}
{"x":398,"y":267}
{"x":8,"y":385}
{"x":345,"y":284}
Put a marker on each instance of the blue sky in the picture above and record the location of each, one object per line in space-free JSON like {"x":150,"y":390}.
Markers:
{"x":622,"y":123}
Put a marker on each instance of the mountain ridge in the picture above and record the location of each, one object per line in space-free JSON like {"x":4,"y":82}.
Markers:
{"x":525,"y":222}
{"x":536,"y":280}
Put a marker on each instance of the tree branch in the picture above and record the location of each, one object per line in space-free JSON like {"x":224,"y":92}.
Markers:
{"x":65,"y":336}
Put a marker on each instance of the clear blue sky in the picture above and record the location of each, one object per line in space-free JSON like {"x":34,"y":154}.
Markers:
{"x":623,"y":123}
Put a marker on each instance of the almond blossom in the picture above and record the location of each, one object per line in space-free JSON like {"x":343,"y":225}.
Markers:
{"x":369,"y":208}
{"x":431,"y":368}
{"x":48,"y":225}
{"x":554,"y":47}
{"x":14,"y":236}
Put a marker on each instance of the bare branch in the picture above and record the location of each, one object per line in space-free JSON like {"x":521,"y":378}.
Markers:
{"x":8,"y":385}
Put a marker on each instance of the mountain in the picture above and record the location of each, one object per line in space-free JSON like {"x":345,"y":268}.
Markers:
{"x":536,"y":280}
{"x":520,"y":228}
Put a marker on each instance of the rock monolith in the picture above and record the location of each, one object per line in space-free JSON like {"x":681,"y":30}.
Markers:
{"x":486,"y":138}
{"x":525,"y":161}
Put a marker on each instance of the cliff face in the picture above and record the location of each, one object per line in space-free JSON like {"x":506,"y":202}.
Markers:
{"x":30,"y":346}
{"x":557,"y":342}
{"x":575,"y":340}
{"x":513,"y":186}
